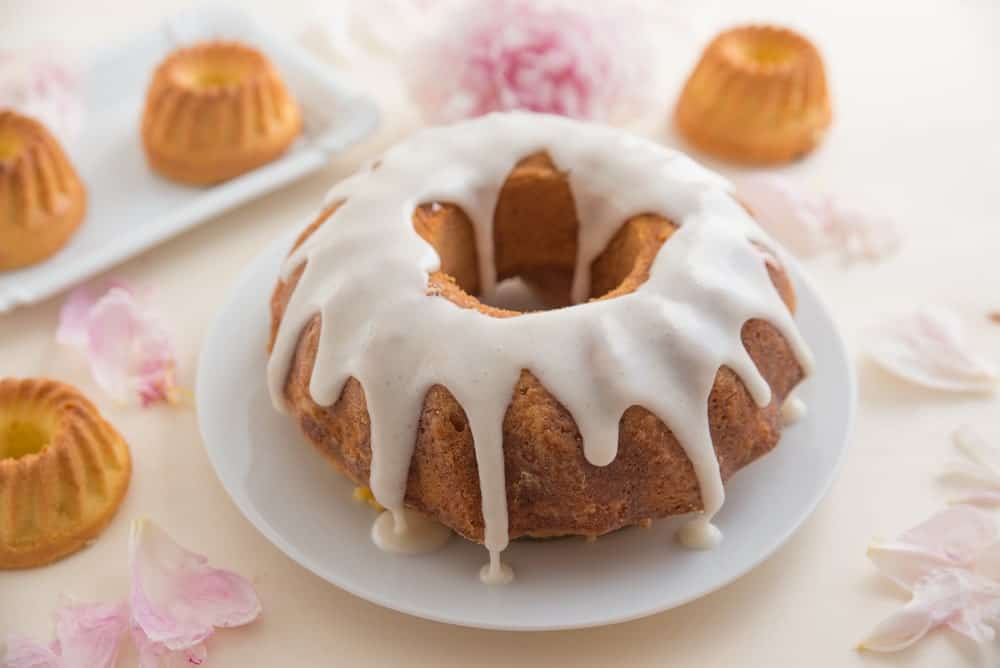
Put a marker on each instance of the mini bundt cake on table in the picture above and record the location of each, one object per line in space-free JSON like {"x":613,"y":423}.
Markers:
{"x":658,"y":372}
{"x":758,"y":95}
{"x":63,"y":471}
{"x":216,"y":110}
{"x":42,"y":200}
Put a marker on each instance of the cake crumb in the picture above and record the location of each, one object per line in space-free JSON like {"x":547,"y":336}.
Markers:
{"x":994,"y":317}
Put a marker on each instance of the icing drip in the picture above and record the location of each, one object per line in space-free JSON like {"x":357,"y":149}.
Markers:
{"x":793,"y":410}
{"x":658,"y":347}
{"x":699,"y":534}
{"x":408,"y":532}
{"x":496,"y":572}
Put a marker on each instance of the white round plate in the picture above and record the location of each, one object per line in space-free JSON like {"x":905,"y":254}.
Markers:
{"x":305,"y":507}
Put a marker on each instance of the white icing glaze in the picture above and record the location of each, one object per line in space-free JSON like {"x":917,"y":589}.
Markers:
{"x":699,"y":534}
{"x":793,"y":410}
{"x":495,"y":572}
{"x":408,"y":532}
{"x":658,"y":347}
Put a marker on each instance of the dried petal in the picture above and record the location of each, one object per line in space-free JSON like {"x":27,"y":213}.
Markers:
{"x":928,"y":347}
{"x":177,"y":599}
{"x":87,"y":636}
{"x":126,"y":343}
{"x":794,"y":216}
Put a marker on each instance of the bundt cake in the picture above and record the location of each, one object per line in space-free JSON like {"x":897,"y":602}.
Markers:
{"x":42,"y":201}
{"x":214,"y":111}
{"x":658,"y":372}
{"x":758,"y":95}
{"x":63,"y":471}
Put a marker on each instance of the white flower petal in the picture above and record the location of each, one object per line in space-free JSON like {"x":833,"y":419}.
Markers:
{"x":899,"y":630}
{"x":905,"y":564}
{"x":794,"y":216}
{"x":928,"y":347}
{"x":861,"y":233}
{"x":956,"y":597}
{"x":177,"y":599}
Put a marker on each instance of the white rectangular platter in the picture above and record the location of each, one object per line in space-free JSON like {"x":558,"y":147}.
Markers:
{"x":130,"y":208}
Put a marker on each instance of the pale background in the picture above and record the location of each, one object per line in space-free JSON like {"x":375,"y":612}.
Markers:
{"x":917,"y":95}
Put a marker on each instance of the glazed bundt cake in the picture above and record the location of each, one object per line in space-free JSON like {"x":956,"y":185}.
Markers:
{"x":42,"y":201}
{"x":658,"y":372}
{"x":214,"y":111}
{"x":758,"y":95}
{"x":63,"y":471}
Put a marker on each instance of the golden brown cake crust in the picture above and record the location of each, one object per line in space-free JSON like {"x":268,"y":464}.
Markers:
{"x":64,"y":471}
{"x":214,"y":111}
{"x":551,"y":488}
{"x":758,"y":95}
{"x":42,"y":200}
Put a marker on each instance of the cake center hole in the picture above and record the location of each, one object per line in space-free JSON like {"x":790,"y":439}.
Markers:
{"x":10,"y":144}
{"x":535,"y":228}
{"x":218,"y":77}
{"x":19,"y":439}
{"x":768,"y":50}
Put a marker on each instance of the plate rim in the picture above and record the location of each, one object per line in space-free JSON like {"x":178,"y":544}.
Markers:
{"x":281,"y":245}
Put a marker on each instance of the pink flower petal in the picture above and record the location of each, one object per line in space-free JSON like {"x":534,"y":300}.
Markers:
{"x":928,"y":347}
{"x":177,"y":599}
{"x":157,"y":655}
{"x":794,"y":216}
{"x":809,"y":223}
{"x":962,"y":600}
{"x":87,"y":636}
{"x":126,"y":343}
{"x":26,"y":653}
{"x":953,"y":538}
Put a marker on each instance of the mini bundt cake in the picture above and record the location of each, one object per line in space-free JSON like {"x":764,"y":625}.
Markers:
{"x":42,"y":201}
{"x":214,"y":111}
{"x":758,"y":95}
{"x":63,"y":472}
{"x":657,"y":373}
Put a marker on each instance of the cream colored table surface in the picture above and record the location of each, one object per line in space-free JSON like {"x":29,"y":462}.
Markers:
{"x":917,"y":93}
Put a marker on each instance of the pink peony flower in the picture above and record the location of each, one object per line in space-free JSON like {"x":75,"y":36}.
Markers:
{"x":516,"y":54}
{"x":124,"y":339}
{"x":45,"y":86}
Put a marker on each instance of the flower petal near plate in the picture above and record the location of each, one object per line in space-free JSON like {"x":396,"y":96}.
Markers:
{"x":928,"y":347}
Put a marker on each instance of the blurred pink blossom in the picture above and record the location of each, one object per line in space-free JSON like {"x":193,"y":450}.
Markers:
{"x":516,"y":54}
{"x":44,"y":85}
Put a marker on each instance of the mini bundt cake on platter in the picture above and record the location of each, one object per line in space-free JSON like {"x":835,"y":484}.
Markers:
{"x":214,"y":111}
{"x":658,"y":372}
{"x":42,"y":200}
{"x":63,"y":471}
{"x":758,"y":95}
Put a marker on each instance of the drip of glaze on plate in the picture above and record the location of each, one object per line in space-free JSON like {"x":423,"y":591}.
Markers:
{"x":793,"y":410}
{"x":408,"y":532}
{"x":598,"y":358}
